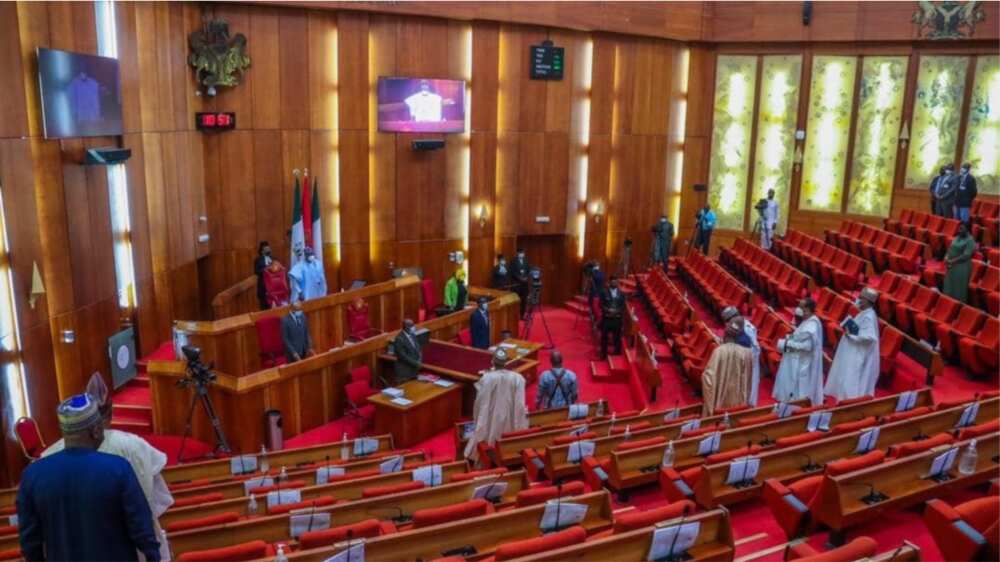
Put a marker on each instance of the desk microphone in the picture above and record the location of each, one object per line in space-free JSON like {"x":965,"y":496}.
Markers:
{"x":810,"y":465}
{"x":670,"y":553}
{"x":558,"y":503}
{"x":873,"y":496}
{"x":489,"y":488}
{"x":920,"y":436}
{"x":897,"y":552}
{"x":350,"y":538}
{"x":767,"y":441}
{"x":401,"y":516}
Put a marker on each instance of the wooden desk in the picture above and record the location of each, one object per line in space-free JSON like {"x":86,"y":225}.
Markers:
{"x":537,"y":418}
{"x":521,"y":349}
{"x":434,"y":409}
{"x":458,"y":362}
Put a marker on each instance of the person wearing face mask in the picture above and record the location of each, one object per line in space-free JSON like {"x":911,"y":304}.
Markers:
{"x":704,"y":225}
{"x":965,"y":194}
{"x":596,"y":286}
{"x":557,"y":386}
{"x":944,"y":193}
{"x":769,"y":221}
{"x":295,"y":334}
{"x":958,"y":263}
{"x":747,"y":338}
{"x":262,"y":262}
{"x":854,"y":371}
{"x":479,"y":325}
{"x":800,"y":374}
{"x":499,"y":407}
{"x":612,"y":311}
{"x":725,"y":382}
{"x":408,"y":353}
{"x":308,"y":277}
{"x":520,"y":272}
{"x":80,"y":503}
{"x":501,"y":274}
{"x":456,"y":294}
{"x":663,"y":239}
{"x":932,"y":188}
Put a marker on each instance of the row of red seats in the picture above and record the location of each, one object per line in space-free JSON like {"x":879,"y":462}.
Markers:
{"x":987,"y":215}
{"x":937,"y":232}
{"x":668,"y":307}
{"x":963,"y":333}
{"x":714,"y":285}
{"x":886,"y":251}
{"x":832,"y":308}
{"x":968,"y":531}
{"x":778,"y":281}
{"x":692,"y":351}
{"x":984,"y":285}
{"x":828,"y":264}
{"x":770,"y":328}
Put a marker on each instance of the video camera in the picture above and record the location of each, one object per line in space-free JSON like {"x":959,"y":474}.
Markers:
{"x":535,"y":275}
{"x":761,"y":206}
{"x":199,"y":373}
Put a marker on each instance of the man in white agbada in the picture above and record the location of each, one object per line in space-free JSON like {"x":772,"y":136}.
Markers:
{"x":749,"y":339}
{"x":854,"y":371}
{"x":308,"y":277}
{"x":769,"y":221}
{"x":499,"y":406}
{"x":425,"y":105}
{"x":800,"y":374}
{"x":146,"y":460}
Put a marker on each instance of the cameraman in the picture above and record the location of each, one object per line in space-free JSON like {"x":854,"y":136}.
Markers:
{"x":768,"y":209}
{"x":520,"y":272}
{"x":612,"y":310}
{"x":663,"y":239}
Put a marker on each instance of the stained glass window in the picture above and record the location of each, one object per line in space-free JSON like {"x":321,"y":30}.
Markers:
{"x":779,"y":102}
{"x":735,"y":84}
{"x":937,"y":110}
{"x":982,"y":140}
{"x":824,"y":162}
{"x":880,"y":109}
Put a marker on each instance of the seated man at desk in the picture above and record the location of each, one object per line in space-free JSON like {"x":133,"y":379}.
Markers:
{"x":408,"y":353}
{"x":295,"y":334}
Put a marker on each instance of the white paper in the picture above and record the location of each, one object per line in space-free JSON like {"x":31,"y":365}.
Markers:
{"x":324,"y":473}
{"x":249,"y":485}
{"x":468,"y":429}
{"x":429,"y":475}
{"x":444,"y":383}
{"x":690,"y":426}
{"x":365,"y":446}
{"x":867,"y":441}
{"x":906,"y":401}
{"x":306,"y":522}
{"x":672,"y":414}
{"x":490,"y":491}
{"x":943,"y":462}
{"x":710,"y":444}
{"x":968,"y":415}
{"x":559,"y":514}
{"x":577,"y":411}
{"x":819,"y":421}
{"x":672,"y":540}
{"x":243,"y":464}
{"x":353,"y":553}
{"x":508,"y":345}
{"x":743,"y":469}
{"x":13,"y":520}
{"x":580,"y":430}
{"x":394,"y":464}
{"x":278,"y":497}
{"x":393,"y":392}
{"x":401,"y":401}
{"x":784,"y":409}
{"x":579,"y":449}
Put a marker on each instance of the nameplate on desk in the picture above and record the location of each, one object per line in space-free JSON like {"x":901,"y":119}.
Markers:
{"x":742,"y":471}
{"x":906,"y":401}
{"x":969,"y":415}
{"x":668,"y":542}
{"x":578,"y":450}
{"x":365,"y":446}
{"x":307,"y":520}
{"x":784,"y":409}
{"x":672,"y":414}
{"x":395,"y":464}
{"x":942,"y":464}
{"x":429,"y":475}
{"x":559,"y":514}
{"x":13,"y":520}
{"x":690,"y":426}
{"x":243,"y":464}
{"x":444,"y":383}
{"x":819,"y":421}
{"x":490,"y":492}
{"x":401,"y":401}
{"x":393,"y":392}
{"x":249,"y":485}
{"x":580,"y":430}
{"x":353,"y":551}
{"x":710,"y":444}
{"x":578,"y":411}
{"x":324,"y":473}
{"x":278,"y":497}
{"x":867,"y":441}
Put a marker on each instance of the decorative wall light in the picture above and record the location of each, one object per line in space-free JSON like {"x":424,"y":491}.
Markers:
{"x":37,"y":287}
{"x":904,"y":135}
{"x":797,"y":157}
{"x":597,"y":210}
{"x":483,"y":215}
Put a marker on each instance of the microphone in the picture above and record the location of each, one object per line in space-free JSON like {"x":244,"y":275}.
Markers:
{"x":896,"y":552}
{"x":873,"y":496}
{"x":558,"y":502}
{"x":312,"y":514}
{"x":810,"y":465}
{"x":671,"y":557}
{"x":400,"y":518}
{"x":767,"y":441}
{"x":489,"y":488}
{"x":920,"y":436}
{"x":350,"y":539}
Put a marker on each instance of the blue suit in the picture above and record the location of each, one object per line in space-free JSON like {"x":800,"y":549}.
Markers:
{"x":479,"y":327}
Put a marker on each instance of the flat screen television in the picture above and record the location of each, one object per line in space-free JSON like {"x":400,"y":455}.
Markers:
{"x":421,"y":105}
{"x":81,"y":94}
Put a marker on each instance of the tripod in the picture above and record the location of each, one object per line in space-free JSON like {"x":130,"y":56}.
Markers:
{"x":201,"y":395}
{"x":529,"y":316}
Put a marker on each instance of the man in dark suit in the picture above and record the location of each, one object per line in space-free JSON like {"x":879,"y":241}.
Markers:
{"x":596,"y":288}
{"x":501,"y":274}
{"x":945,"y":193}
{"x":612,"y":310}
{"x":408,"y":353}
{"x":520,"y":271}
{"x":932,"y":188}
{"x":965,"y":194}
{"x":295,"y":334}
{"x":479,"y":325}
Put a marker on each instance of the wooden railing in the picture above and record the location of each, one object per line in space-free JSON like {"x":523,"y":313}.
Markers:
{"x":240,"y":298}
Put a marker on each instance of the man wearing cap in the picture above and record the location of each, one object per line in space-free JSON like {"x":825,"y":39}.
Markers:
{"x":854,"y":371}
{"x":725,"y":382}
{"x":308,"y":277}
{"x":82,"y":504}
{"x":499,"y":405}
{"x":479,"y":325}
{"x":748,"y":339}
{"x":800,"y":374}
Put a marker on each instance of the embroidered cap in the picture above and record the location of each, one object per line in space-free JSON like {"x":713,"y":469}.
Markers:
{"x":78,"y":413}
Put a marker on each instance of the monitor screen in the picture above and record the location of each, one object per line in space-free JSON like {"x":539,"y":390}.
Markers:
{"x":80,"y":94}
{"x":421,"y":105}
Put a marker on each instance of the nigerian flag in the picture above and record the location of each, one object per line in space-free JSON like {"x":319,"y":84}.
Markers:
{"x":317,"y":233}
{"x":298,"y":231}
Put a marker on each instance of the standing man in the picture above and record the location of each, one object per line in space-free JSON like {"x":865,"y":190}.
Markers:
{"x":520,"y":271}
{"x":295,"y":334}
{"x":854,"y":371}
{"x":769,"y":221}
{"x":596,"y":288}
{"x":965,"y":194}
{"x":725,"y":382}
{"x":308,"y":278}
{"x":612,"y":310}
{"x":703,"y":228}
{"x":933,"y":188}
{"x":800,"y":374}
{"x":262,"y":262}
{"x":557,"y":386}
{"x":81,"y":504}
{"x":747,"y":338}
{"x":945,"y":193}
{"x":501,"y":274}
{"x":479,"y":325}
{"x":499,"y":405}
{"x":408,"y":353}
{"x":663,"y":239}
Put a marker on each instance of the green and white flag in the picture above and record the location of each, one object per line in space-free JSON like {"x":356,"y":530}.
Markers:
{"x":298,"y":230}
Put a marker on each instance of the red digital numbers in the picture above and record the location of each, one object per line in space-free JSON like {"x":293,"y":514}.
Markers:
{"x":215,"y":121}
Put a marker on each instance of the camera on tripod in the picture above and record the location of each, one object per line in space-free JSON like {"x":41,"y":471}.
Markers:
{"x":535,"y":276}
{"x":761,"y":206}
{"x":199,"y":373}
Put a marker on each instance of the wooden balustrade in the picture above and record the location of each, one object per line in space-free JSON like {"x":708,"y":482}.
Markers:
{"x":240,"y":298}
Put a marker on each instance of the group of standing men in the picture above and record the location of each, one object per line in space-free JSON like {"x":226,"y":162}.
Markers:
{"x":951,"y":195}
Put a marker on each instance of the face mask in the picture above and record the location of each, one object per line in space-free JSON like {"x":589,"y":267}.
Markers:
{"x":858,"y":302}
{"x":663,"y":221}
{"x":482,"y":307}
{"x":520,"y":256}
{"x":411,"y":330}
{"x":799,"y":312}
{"x":557,"y":370}
{"x":267,"y":252}
{"x":965,"y":170}
{"x":298,"y":314}
{"x":948,"y":172}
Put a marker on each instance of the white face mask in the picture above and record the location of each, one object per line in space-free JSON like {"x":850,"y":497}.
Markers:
{"x":799,"y":312}
{"x":483,"y":307}
{"x":557,"y":370}
{"x":858,"y":302}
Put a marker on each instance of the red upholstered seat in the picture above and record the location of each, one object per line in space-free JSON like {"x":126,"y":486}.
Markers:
{"x":979,"y":354}
{"x":858,"y":400}
{"x":29,"y":437}
{"x":8,"y":530}
{"x":727,"y":456}
{"x":639,"y":444}
{"x":799,"y":439}
{"x":565,"y":439}
{"x":913,"y":447}
{"x":759,"y":419}
{"x":978,"y":430}
{"x":848,"y":427}
{"x":362,"y":373}
{"x":269,"y":343}
{"x":911,"y":413}
{"x":438,"y":515}
{"x":290,"y":485}
{"x":635,"y":519}
{"x":357,"y":394}
{"x":197,"y":500}
{"x":358,"y":325}
{"x":843,"y":466}
{"x":520,"y":432}
{"x":10,"y":554}
{"x":679,"y":486}
{"x":552,"y":541}
{"x":362,"y":530}
{"x":313,"y":502}
{"x":534,"y":496}
{"x":376,"y":491}
{"x":622,"y":426}
{"x":472,"y":475}
{"x":858,"y":549}
{"x":236,"y":553}
{"x":967,"y":325}
{"x":968,"y":531}
{"x":206,"y":521}
{"x":187,"y":485}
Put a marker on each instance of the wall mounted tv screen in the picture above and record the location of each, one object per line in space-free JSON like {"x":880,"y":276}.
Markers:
{"x":421,"y":105}
{"x":81,"y":96}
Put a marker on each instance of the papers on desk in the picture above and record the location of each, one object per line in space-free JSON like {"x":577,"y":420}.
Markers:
{"x":430,"y":475}
{"x":672,"y":414}
{"x":365,"y":446}
{"x":400,"y":401}
{"x":580,"y":430}
{"x":395,"y":464}
{"x":444,"y":383}
{"x":819,"y":421}
{"x":742,"y":470}
{"x":710,"y":444}
{"x":393,"y":392}
{"x":559,"y":514}
{"x":784,"y":409}
{"x":578,"y":450}
{"x":306,"y":522}
{"x":13,"y":520}
{"x":324,"y":473}
{"x":427,"y":377}
{"x":467,"y":429}
{"x":507,"y":345}
{"x":942,"y":463}
{"x":578,"y":411}
{"x":673,"y":540}
{"x":968,"y":416}
{"x":243,"y":464}
{"x":867,"y":441}
{"x":352,"y":552}
{"x":278,"y":497}
{"x":249,"y":485}
{"x":490,"y":492}
{"x":906,"y":401}
{"x":690,"y":426}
